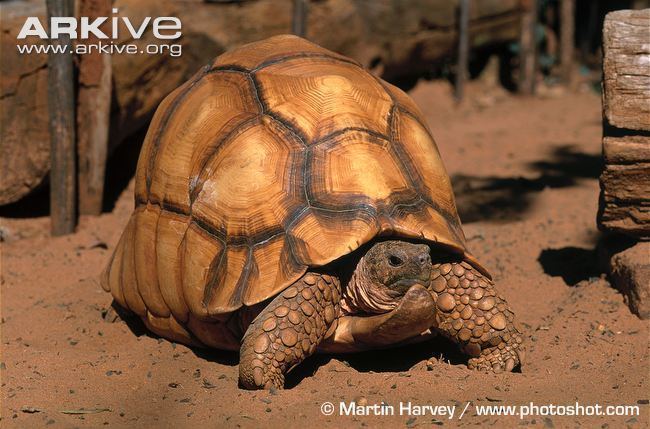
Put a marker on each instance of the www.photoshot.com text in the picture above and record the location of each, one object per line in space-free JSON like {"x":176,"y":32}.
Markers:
{"x":451,"y":412}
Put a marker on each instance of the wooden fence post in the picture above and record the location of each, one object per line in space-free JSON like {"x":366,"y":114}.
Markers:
{"x":299,"y":22}
{"x":93,"y":114}
{"x":528,"y":48}
{"x":62,"y":127}
{"x":463,"y":49}
{"x":567,"y":22}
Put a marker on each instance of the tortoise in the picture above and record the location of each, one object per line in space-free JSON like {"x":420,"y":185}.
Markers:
{"x":287,"y":201}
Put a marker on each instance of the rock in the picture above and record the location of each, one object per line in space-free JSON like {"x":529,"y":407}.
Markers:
{"x":361,"y":401}
{"x":630,"y":273}
{"x":25,"y":148}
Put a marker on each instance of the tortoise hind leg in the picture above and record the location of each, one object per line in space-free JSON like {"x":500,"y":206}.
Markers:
{"x":472,"y":313}
{"x":288,"y":330}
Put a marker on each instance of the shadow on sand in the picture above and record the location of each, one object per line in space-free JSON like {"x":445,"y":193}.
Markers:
{"x":508,"y":198}
{"x":394,"y":360}
{"x":573,"y":264}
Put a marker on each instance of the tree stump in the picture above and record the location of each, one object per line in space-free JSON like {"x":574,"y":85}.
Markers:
{"x":625,"y":182}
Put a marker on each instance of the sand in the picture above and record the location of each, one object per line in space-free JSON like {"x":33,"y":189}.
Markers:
{"x":525,"y":174}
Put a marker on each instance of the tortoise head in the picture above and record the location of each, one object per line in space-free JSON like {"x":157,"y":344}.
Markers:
{"x":385,"y":273}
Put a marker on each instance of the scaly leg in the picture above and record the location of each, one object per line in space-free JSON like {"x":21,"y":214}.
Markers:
{"x":288,"y":330}
{"x":472,"y":313}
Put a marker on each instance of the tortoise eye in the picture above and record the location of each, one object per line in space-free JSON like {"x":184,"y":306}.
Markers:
{"x":395,"y":261}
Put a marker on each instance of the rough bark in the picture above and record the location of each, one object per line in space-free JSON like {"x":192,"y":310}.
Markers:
{"x":625,"y":181}
{"x":626,"y":69}
{"x":567,"y":21}
{"x":625,"y":186}
{"x":528,"y":48}
{"x":61,"y":107}
{"x":93,"y":114}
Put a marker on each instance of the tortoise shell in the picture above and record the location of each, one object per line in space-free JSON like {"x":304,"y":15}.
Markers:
{"x":277,"y":157}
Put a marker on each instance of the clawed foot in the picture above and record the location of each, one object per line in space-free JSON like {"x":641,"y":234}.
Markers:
{"x":497,"y":359}
{"x":288,"y":330}
{"x":473,"y":314}
{"x":502,"y":353}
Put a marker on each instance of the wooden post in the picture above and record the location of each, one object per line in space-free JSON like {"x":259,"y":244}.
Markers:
{"x":463,"y":48}
{"x":299,"y":22}
{"x":62,"y":127}
{"x":625,"y":181}
{"x":567,"y":22}
{"x":527,"y":48}
{"x":93,"y":114}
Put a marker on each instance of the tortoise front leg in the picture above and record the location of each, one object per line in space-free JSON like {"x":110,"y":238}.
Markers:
{"x":288,"y":330}
{"x":472,"y":313}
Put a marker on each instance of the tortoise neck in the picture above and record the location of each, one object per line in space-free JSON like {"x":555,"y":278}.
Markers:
{"x":363,"y":296}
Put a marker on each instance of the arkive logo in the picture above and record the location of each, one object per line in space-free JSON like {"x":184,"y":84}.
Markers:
{"x":108,"y":35}
{"x":164,"y":27}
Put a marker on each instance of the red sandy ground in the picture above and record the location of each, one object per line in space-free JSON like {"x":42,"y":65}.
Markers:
{"x":525,"y":172}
